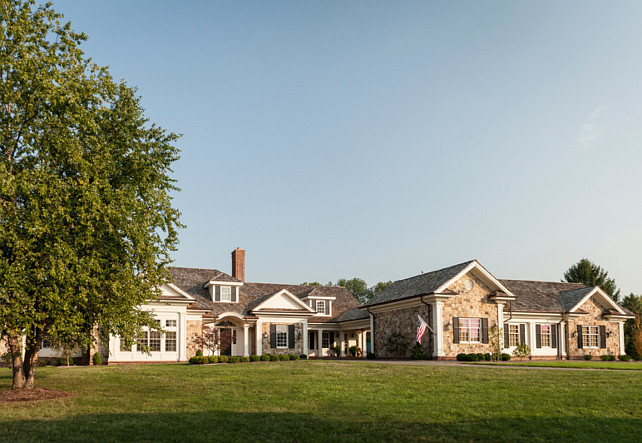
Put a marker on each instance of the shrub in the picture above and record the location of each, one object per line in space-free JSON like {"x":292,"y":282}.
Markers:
{"x":624,"y":357}
{"x":607,"y":357}
{"x":487,"y":356}
{"x":472,"y":357}
{"x":212,"y":359}
{"x":370,"y":356}
{"x":588,"y":357}
{"x":274,"y":357}
{"x":505,"y":357}
{"x":6,"y":358}
{"x":417,"y":352}
{"x":96,"y":359}
{"x":294,"y":356}
{"x":62,"y":361}
{"x":480,"y":357}
{"x":355,"y":351}
{"x":196,"y":360}
{"x":233,"y":359}
{"x":522,"y":351}
{"x":40,"y":363}
{"x":284,"y":357}
{"x":223,"y":359}
{"x":303,"y":356}
{"x":255,"y":357}
{"x":245,"y":359}
{"x":461,"y":357}
{"x":265,"y":357}
{"x":199,"y":353}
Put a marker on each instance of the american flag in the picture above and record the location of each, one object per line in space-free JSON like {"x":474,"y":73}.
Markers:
{"x":421,"y":329}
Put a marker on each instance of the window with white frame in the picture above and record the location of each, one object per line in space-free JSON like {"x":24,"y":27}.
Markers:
{"x":469,"y":329}
{"x":170,"y":341}
{"x":325,"y":340}
{"x":142,"y":341}
{"x":590,"y":336}
{"x":546,"y":335}
{"x":125,"y":346}
{"x":281,"y":336}
{"x":320,"y":307}
{"x":226,"y":293}
{"x":170,"y":323}
{"x":154,"y":341}
{"x":513,"y":335}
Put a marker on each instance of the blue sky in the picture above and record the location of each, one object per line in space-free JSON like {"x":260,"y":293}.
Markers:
{"x":382,"y":139}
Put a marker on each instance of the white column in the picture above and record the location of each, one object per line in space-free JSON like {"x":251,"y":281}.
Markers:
{"x":306,"y":346}
{"x":500,"y":316}
{"x":181,"y":339}
{"x":246,"y":340}
{"x":342,"y":338}
{"x":438,"y":321}
{"x":372,"y":333}
{"x":320,"y":340}
{"x":259,"y":337}
{"x":621,"y":338}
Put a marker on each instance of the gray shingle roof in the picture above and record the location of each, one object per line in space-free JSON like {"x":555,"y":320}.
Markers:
{"x":572,"y":297}
{"x":538,"y":296}
{"x":418,"y":285}
{"x":351,"y":314}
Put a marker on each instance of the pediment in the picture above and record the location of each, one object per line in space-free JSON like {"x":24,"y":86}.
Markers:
{"x":282,"y":301}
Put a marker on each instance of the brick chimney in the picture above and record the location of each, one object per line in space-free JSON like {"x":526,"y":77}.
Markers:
{"x":238,"y":264}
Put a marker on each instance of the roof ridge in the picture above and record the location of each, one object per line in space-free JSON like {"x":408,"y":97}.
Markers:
{"x":544,"y":281}
{"x":438,"y":270}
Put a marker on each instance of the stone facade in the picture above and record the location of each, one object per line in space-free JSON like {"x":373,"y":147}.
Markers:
{"x":594,"y":318}
{"x":194,"y":332}
{"x":400,"y":321}
{"x":467,"y":304}
{"x":298,"y":340}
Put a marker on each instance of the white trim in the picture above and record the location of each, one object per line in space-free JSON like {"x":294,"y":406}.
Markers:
{"x":597,"y":290}
{"x":475,"y":265}
{"x":229,"y":314}
{"x":222,"y":283}
{"x":318,"y":297}
{"x":180,"y":291}
{"x":287,"y":293}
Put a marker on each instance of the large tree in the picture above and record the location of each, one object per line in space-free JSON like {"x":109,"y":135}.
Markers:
{"x":86,"y":222}
{"x":590,"y":274}
{"x":632,"y":328}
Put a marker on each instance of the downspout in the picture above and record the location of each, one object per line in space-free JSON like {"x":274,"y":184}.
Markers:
{"x":432,"y":332}
{"x":371,"y":331}
{"x":559,"y":348}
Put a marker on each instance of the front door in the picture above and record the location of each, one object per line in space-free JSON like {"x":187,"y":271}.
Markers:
{"x":226,"y":341}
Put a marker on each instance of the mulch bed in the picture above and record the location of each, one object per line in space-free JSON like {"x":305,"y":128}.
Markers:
{"x":35,"y":394}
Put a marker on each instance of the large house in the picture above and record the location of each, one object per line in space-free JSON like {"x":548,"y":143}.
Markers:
{"x":462,"y":303}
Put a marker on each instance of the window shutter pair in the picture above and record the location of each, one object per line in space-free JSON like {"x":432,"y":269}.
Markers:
{"x":455,"y":330}
{"x":272,"y":336}
{"x":506,"y":336}
{"x":580,"y":343}
{"x":291,"y":336}
{"x":603,"y":337}
{"x":217,"y":293}
{"x":538,"y":336}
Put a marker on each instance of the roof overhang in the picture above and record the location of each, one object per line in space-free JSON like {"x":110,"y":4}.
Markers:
{"x":305,"y":309}
{"x":475,"y":266}
{"x":222,"y":283}
{"x":604,"y":297}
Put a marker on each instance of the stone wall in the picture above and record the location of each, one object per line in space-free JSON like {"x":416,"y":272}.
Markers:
{"x":298,"y":340}
{"x":467,"y":304}
{"x":194,"y":331}
{"x":402,"y":321}
{"x":594,"y":318}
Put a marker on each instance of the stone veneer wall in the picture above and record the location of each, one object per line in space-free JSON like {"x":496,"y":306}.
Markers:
{"x":403,"y":321}
{"x":194,"y":331}
{"x":298,"y":342}
{"x":594,"y":318}
{"x":472,"y":304}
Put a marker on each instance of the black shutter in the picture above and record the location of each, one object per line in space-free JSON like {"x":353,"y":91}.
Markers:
{"x":484,"y":322}
{"x":522,"y":334}
{"x":234,"y":291}
{"x":603,"y":337}
{"x":506,"y":336}
{"x":217,"y":293}
{"x":538,"y":336}
{"x":580,"y":344}
{"x":291,"y":336}
{"x":331,"y":340}
{"x":455,"y":330}
{"x":554,"y":336}
{"x":273,"y":336}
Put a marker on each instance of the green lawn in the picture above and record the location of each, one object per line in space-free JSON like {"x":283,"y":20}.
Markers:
{"x":327,"y":401}
{"x":630,"y":366}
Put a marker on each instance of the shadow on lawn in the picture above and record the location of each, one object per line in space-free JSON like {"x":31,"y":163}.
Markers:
{"x":234,"y":426}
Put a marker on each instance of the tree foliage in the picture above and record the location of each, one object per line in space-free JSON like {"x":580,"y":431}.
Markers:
{"x":590,"y":274}
{"x":357,"y":287}
{"x":632,"y":327}
{"x":86,"y":222}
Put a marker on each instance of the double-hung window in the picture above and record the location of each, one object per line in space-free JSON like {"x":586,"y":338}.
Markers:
{"x":590,"y":336}
{"x":469,"y":329}
{"x":170,"y":336}
{"x":154,"y":341}
{"x":226,"y":293}
{"x":325,"y":340}
{"x":546,"y":335}
{"x":281,"y":336}
{"x":320,"y":307}
{"x":513,"y":335}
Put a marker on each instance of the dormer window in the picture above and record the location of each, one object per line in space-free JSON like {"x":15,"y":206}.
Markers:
{"x":226,"y":294}
{"x":321,"y":307}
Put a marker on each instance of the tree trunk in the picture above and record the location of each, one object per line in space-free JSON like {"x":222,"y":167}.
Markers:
{"x":31,"y":358}
{"x":15,"y":346}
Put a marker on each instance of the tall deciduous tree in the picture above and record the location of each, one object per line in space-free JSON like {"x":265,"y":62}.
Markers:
{"x":632,"y":328}
{"x":86,"y":222}
{"x":590,"y":274}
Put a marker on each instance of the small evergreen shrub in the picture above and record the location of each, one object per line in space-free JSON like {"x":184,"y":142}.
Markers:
{"x":265,"y":357}
{"x":472,"y":357}
{"x":40,"y":363}
{"x":417,"y":352}
{"x":245,"y":359}
{"x":199,"y":353}
{"x":505,"y":357}
{"x":607,"y":357}
{"x":294,"y":356}
{"x":303,"y":356}
{"x":624,"y":357}
{"x":355,"y":351}
{"x":487,"y":356}
{"x":370,"y":356}
{"x":255,"y":358}
{"x":233,"y":359}
{"x":274,"y":357}
{"x":480,"y":357}
{"x":284,"y":357}
{"x":212,"y":359}
{"x":96,"y":359}
{"x":461,"y":357}
{"x":223,"y":359}
{"x":588,"y":357}
{"x":522,"y":351}
{"x":196,"y":360}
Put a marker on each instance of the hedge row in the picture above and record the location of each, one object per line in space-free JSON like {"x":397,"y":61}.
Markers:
{"x":481,"y":357}
{"x":201,"y":360}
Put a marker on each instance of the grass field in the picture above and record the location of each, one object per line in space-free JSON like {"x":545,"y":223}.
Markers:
{"x":327,"y":401}
{"x":630,"y":366}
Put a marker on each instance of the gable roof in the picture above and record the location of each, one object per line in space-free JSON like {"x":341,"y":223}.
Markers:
{"x":539,"y":296}
{"x":570,"y":298}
